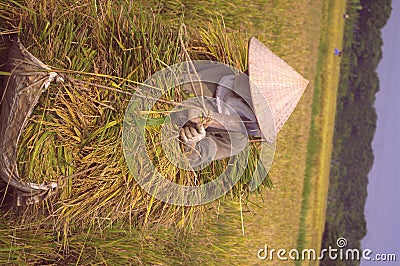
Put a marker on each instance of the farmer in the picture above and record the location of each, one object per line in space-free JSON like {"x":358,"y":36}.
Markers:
{"x":242,"y":107}
{"x":337,"y":52}
{"x":231,"y":118}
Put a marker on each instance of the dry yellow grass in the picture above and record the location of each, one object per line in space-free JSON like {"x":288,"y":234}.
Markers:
{"x":315,"y":219}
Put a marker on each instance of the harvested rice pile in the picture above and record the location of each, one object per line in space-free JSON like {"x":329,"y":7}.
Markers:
{"x":74,"y":137}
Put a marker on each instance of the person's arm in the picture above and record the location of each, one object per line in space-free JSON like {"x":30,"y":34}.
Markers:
{"x":203,"y":146}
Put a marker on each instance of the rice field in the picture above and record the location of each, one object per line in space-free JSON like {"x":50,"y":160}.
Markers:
{"x":106,"y":49}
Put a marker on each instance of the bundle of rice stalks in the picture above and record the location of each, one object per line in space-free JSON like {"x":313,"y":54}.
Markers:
{"x":74,"y":137}
{"x":77,"y":126}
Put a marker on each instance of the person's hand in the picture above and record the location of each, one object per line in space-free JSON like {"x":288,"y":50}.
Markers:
{"x":190,"y":135}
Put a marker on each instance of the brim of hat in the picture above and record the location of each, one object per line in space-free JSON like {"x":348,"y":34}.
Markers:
{"x":275,"y":88}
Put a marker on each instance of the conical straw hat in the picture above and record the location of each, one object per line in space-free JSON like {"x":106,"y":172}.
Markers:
{"x":273,"y":81}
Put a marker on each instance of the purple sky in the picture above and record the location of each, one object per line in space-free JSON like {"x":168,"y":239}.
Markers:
{"x":382,"y":209}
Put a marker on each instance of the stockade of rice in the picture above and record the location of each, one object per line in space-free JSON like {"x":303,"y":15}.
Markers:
{"x":73,"y":137}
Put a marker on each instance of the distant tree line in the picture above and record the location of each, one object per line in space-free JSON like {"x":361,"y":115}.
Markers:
{"x":355,"y":124}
